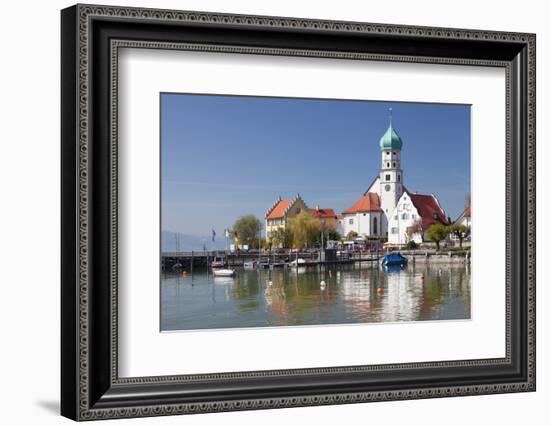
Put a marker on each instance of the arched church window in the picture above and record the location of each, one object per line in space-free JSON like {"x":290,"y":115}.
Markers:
{"x":375,"y":226}
{"x":394,"y":164}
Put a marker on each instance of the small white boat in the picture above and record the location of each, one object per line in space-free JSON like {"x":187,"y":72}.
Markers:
{"x":223,"y":272}
{"x":298,"y":262}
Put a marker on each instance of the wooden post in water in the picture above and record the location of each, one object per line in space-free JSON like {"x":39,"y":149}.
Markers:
{"x":192,"y":259}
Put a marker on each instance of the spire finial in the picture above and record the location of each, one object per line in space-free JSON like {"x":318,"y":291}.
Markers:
{"x":391,"y":116}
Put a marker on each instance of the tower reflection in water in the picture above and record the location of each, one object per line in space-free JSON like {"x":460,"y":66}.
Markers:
{"x":315,"y":295}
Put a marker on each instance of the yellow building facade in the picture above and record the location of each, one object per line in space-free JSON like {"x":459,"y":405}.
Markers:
{"x":281,"y":212}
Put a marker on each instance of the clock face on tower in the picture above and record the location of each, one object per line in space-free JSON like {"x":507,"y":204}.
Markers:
{"x":387,"y":188}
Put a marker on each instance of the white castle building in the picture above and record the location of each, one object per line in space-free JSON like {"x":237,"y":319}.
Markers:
{"x":387,"y":208}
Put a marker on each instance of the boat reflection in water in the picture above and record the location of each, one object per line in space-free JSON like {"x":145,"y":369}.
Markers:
{"x":315,"y":295}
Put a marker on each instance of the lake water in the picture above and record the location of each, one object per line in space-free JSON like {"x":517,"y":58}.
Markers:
{"x":286,"y":297}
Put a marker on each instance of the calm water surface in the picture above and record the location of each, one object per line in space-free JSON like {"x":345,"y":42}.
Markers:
{"x":284,"y":297}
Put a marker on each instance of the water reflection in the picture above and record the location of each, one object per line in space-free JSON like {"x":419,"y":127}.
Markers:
{"x":316,"y":295}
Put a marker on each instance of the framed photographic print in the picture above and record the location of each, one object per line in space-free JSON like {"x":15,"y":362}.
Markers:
{"x":263,"y":212}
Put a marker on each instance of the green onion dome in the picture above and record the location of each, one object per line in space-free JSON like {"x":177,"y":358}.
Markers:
{"x":390,"y":139}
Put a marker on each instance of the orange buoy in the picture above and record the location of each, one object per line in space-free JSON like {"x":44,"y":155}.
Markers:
{"x":379,"y":290}
{"x":184,"y":273}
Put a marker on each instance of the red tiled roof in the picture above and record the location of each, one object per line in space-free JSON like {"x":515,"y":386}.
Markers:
{"x":323,"y":213}
{"x":370,"y":202}
{"x":429,"y":209}
{"x":339,"y":216}
{"x":278,"y":210}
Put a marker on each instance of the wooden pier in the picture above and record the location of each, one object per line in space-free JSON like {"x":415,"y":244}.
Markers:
{"x":190,"y":260}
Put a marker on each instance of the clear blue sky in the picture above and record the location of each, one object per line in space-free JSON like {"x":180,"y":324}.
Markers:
{"x":228,"y":156}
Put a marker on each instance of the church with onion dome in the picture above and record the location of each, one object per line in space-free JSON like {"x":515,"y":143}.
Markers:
{"x":388,"y":209}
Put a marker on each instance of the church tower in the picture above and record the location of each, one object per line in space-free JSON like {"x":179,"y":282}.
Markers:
{"x":391,"y":175}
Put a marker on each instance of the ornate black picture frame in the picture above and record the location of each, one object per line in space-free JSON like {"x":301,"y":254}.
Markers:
{"x":91,"y":388}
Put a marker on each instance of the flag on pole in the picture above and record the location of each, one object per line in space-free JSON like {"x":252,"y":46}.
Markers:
{"x":226,"y":233}
{"x":213,"y":235}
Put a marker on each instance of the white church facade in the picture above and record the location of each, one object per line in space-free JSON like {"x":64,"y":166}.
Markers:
{"x":387,"y":209}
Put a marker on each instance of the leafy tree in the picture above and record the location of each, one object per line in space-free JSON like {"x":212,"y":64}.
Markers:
{"x":246,"y":230}
{"x":328,"y":234}
{"x":305,"y":229}
{"x":437,"y":233}
{"x":459,"y":231}
{"x":352,"y":235}
{"x":333,"y":235}
{"x":281,"y":237}
{"x":257,"y":243}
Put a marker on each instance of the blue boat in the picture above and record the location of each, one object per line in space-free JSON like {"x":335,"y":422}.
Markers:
{"x":394,"y":259}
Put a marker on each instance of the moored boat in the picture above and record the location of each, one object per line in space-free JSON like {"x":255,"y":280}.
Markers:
{"x":394,"y":259}
{"x":298,"y":262}
{"x":223,"y":272}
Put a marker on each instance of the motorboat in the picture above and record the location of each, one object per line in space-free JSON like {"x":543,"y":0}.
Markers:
{"x":394,"y":259}
{"x":222,"y":272}
{"x":298,"y":262}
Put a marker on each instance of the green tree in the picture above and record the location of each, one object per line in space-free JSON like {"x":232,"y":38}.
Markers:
{"x":305,"y":230}
{"x":459,"y":231}
{"x":246,"y":230}
{"x":281,"y":237}
{"x":257,"y":243}
{"x":437,"y":233}
{"x":325,"y":235}
{"x":333,"y":235}
{"x":352,"y":235}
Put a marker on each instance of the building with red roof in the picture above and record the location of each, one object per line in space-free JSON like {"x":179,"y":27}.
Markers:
{"x":277,"y":216}
{"x":387,"y":209}
{"x":368,"y":203}
{"x":412,"y":216}
{"x":365,"y":217}
{"x":327,"y":217}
